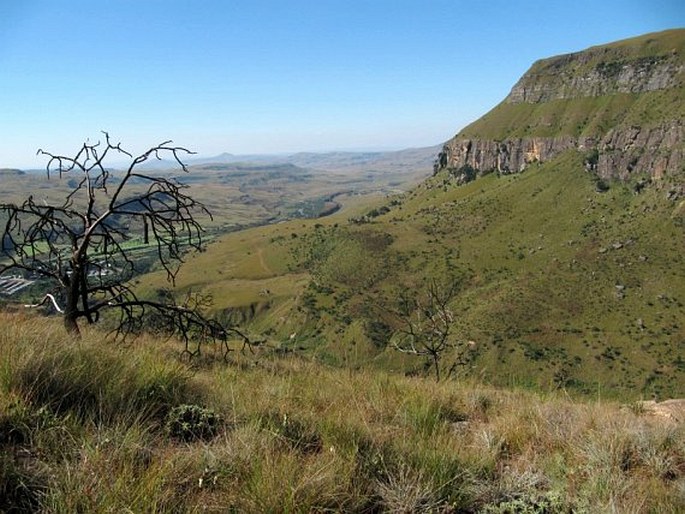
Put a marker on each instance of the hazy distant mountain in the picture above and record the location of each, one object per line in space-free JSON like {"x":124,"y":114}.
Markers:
{"x":412,"y":158}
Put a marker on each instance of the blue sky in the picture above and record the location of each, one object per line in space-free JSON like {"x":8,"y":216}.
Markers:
{"x":257,"y":76}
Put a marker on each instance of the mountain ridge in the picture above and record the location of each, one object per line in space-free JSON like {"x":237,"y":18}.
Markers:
{"x":564,"y":282}
{"x":621,"y":104}
{"x":338,"y":161}
{"x":647,"y":63}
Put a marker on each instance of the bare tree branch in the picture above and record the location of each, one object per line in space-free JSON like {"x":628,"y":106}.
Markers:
{"x":426,"y":324}
{"x":78,"y":245}
{"x":46,"y":298}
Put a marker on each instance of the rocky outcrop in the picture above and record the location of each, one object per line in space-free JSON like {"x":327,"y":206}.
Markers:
{"x":657,"y":150}
{"x":585,"y":74}
{"x":600,"y":84}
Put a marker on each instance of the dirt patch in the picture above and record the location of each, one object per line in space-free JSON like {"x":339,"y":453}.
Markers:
{"x":262,"y":262}
{"x":668,"y":410}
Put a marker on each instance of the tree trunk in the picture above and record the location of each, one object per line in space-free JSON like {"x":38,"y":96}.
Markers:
{"x":71,"y":325}
{"x":71,"y":307}
{"x":436,"y":365}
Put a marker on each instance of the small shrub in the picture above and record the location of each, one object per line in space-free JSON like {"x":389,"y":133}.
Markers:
{"x":378,"y":332}
{"x":406,"y":490}
{"x":637,"y":407}
{"x":601,"y":186}
{"x":591,"y":159}
{"x":192,"y":422}
{"x":549,"y":503}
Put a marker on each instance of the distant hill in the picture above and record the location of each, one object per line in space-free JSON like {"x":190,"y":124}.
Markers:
{"x":10,"y":172}
{"x":408,"y":160}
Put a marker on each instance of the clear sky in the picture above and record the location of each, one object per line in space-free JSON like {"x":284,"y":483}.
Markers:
{"x":259,"y":76}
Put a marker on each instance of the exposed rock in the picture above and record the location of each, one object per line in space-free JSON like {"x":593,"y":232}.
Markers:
{"x":619,"y":153}
{"x":585,"y":74}
{"x":658,"y":150}
{"x":615,"y":147}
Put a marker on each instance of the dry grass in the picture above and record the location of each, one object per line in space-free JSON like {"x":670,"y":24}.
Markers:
{"x":300,"y":437}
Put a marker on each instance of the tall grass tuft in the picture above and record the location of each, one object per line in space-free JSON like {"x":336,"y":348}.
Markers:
{"x":100,"y":384}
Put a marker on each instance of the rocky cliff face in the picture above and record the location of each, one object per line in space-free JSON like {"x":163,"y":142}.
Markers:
{"x":613,"y":149}
{"x":657,"y":150}
{"x":595,"y":73}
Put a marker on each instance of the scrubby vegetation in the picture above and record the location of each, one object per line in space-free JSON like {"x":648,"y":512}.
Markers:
{"x":86,"y":426}
{"x":563,"y":287}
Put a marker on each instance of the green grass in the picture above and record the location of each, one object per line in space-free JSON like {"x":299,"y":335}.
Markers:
{"x":540,"y":252}
{"x":577,"y":117}
{"x":564,"y":287}
{"x":297,"y":436}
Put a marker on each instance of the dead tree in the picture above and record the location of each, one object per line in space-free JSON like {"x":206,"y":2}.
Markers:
{"x":78,"y":244}
{"x":426,"y":325}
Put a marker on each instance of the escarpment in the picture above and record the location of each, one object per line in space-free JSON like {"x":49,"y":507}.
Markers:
{"x":619,"y":153}
{"x":622,"y":105}
{"x":596,"y":72}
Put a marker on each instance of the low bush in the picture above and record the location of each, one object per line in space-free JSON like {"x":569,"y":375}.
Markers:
{"x":549,"y":503}
{"x":192,"y":422}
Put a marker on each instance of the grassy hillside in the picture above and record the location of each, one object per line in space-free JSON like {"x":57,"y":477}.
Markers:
{"x":89,"y":426}
{"x":562,"y":286}
{"x":566,"y":281}
{"x":585,"y":114}
{"x":578,"y":117}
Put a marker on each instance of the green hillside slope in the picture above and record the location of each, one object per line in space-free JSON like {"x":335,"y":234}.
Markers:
{"x":567,"y":279}
{"x":562,"y":285}
{"x":566,"y":285}
{"x":584,"y":117}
